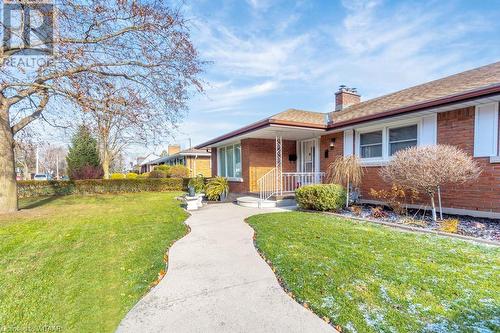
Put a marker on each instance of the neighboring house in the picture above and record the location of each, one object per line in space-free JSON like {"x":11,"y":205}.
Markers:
{"x":276,"y":155}
{"x":197,"y":160}
{"x":145,"y":164}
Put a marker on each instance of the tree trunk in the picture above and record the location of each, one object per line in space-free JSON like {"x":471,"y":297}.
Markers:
{"x":440,"y":204}
{"x":8,"y":183}
{"x":26,"y":172}
{"x":106,"y":163}
{"x":434,"y":214}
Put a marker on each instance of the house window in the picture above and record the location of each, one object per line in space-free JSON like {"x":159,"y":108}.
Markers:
{"x":378,"y":144}
{"x":371,"y":144}
{"x":230,"y":161}
{"x":401,"y":138}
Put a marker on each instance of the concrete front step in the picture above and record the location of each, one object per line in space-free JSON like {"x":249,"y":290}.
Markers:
{"x":254,"y":202}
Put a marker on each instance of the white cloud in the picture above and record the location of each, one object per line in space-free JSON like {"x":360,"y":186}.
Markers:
{"x":254,"y":55}
{"x":401,"y":46}
{"x":223,"y":97}
{"x":260,"y":4}
{"x":200,"y":131}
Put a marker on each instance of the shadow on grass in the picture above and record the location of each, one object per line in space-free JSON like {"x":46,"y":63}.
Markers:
{"x":39,"y":202}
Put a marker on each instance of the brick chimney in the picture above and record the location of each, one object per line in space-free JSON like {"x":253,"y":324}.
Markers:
{"x":345,"y":97}
{"x":173,"y":149}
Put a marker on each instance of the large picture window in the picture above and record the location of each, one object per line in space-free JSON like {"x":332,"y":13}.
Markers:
{"x":371,"y":144}
{"x":230,"y":161}
{"x":401,"y":138}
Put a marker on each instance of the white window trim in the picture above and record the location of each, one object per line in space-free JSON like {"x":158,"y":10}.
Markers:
{"x":231,"y":179}
{"x":379,"y":161}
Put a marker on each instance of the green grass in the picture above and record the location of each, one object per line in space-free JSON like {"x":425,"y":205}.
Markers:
{"x":371,"y":278}
{"x":78,"y":264}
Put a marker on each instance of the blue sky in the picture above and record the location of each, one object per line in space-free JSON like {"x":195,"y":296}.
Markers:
{"x":270,"y":55}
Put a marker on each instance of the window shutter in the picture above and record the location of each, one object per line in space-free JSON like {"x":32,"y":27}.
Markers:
{"x":486,"y":130}
{"x":348,"y":142}
{"x":428,"y":133}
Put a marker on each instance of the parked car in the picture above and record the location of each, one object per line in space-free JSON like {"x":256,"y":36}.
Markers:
{"x":42,"y":176}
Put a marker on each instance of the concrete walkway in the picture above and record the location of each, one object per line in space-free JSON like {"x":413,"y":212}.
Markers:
{"x":217,"y":282}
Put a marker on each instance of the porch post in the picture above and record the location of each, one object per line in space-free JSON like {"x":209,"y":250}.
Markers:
{"x":279,"y":165}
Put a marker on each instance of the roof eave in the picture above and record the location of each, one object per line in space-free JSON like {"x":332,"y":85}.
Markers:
{"x":258,"y":125}
{"x":482,"y":92}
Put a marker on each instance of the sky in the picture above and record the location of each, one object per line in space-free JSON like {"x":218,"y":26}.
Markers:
{"x":266,"y":56}
{"x":269,"y":55}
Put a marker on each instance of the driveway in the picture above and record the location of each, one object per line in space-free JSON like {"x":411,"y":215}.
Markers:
{"x":217,"y":282}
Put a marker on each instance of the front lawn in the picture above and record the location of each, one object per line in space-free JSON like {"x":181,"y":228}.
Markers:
{"x":370,"y":278}
{"x":78,"y":264}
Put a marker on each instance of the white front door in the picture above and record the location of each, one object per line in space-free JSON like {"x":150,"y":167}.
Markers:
{"x":308,"y":156}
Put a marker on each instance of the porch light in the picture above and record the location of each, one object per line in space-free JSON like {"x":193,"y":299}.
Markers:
{"x":332,"y":143}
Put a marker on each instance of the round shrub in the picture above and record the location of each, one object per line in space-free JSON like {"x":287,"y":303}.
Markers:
{"x":143,"y":175}
{"x":179,"y":171}
{"x":164,"y":168}
{"x":132,"y":175}
{"x":322,"y":197}
{"x":117,"y":176}
{"x":158,"y":174}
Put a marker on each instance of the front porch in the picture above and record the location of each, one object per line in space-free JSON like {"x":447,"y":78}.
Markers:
{"x":270,"y":170}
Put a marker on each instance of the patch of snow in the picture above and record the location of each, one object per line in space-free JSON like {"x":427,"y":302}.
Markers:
{"x":349,"y":327}
{"x":385,"y":294}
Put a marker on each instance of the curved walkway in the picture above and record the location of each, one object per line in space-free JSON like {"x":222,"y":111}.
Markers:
{"x":217,"y":282}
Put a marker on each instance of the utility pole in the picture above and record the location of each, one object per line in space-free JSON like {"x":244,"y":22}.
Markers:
{"x":190,"y":143}
{"x":57,"y":167}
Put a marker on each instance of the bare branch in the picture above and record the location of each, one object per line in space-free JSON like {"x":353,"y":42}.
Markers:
{"x":28,"y":119}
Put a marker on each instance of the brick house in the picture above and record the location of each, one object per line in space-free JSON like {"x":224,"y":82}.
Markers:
{"x":294,"y":147}
{"x":198,"y":161}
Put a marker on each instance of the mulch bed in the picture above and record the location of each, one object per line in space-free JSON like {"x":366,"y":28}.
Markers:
{"x":482,"y":228}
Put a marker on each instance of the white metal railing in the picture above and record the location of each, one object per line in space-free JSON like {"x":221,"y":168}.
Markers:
{"x":270,"y":185}
{"x":267,"y":185}
{"x":294,"y":180}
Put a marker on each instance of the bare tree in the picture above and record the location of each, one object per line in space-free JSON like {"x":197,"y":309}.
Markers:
{"x":118,"y":164}
{"x":118,"y":118}
{"x":25,"y":154}
{"x":426,"y":169}
{"x":53,"y":160}
{"x":142,"y":45}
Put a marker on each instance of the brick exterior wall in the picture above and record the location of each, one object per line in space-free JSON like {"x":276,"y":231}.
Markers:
{"x":324,"y":145}
{"x":200,"y":165}
{"x":259,"y":157}
{"x":455,"y":128}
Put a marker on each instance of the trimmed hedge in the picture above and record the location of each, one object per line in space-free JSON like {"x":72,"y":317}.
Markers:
{"x":30,"y":188}
{"x":322,"y":197}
